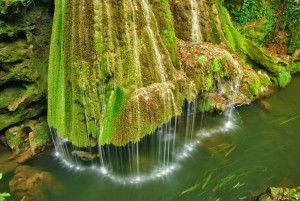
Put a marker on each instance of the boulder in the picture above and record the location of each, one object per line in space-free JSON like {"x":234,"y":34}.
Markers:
{"x":28,"y":139}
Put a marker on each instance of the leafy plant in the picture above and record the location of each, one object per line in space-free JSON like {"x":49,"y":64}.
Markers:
{"x":3,"y":195}
{"x":251,"y":10}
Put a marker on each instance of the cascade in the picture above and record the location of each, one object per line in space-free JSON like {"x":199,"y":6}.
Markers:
{"x":230,"y":118}
{"x":154,"y":157}
{"x":235,"y":88}
{"x":118,"y":107}
{"x":196,"y":36}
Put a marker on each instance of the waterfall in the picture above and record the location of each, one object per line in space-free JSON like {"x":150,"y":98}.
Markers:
{"x":196,"y":36}
{"x":154,"y":157}
{"x":124,"y":76}
{"x":135,"y":41}
{"x":230,"y":119}
{"x":235,"y":88}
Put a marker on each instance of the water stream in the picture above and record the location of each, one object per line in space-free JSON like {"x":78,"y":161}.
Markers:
{"x":196,"y":36}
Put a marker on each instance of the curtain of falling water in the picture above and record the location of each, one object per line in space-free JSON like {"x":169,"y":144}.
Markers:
{"x":154,"y":156}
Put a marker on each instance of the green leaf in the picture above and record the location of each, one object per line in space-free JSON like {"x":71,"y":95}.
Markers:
{"x":0,"y":175}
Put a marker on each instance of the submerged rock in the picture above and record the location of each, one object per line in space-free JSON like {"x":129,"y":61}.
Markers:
{"x":265,"y":104}
{"x":33,"y":184}
{"x":84,"y":155}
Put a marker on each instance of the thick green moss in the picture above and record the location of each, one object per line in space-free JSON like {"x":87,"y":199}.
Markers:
{"x":204,"y":105}
{"x":284,"y":78}
{"x":255,"y":86}
{"x":202,"y":59}
{"x":114,"y":106}
{"x":216,"y":64}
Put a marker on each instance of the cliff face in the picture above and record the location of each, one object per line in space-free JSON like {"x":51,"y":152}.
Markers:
{"x":120,"y":69}
{"x":25,"y":30}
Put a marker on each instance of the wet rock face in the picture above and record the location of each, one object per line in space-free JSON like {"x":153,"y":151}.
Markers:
{"x":33,"y":184}
{"x":24,"y":45}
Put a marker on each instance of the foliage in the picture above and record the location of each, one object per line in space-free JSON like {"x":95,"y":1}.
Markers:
{"x":251,"y":10}
{"x":262,"y":14}
{"x":3,"y":195}
{"x":284,"y":78}
{"x":292,"y":20}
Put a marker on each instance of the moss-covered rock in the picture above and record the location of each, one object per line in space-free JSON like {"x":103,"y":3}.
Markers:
{"x":24,"y":42}
{"x":279,"y":194}
{"x":28,"y":139}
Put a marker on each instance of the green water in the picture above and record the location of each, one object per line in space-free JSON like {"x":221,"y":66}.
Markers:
{"x":262,"y":151}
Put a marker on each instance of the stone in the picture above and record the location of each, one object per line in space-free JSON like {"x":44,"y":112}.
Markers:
{"x":24,"y":157}
{"x":28,"y":139}
{"x":265,"y":104}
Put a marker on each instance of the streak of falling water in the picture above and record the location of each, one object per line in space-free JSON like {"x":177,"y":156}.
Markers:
{"x":147,"y":11}
{"x":152,"y":157}
{"x":133,"y":7}
{"x":235,"y":88}
{"x":196,"y":35}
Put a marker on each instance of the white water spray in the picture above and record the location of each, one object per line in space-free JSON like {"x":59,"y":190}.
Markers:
{"x":196,"y":36}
